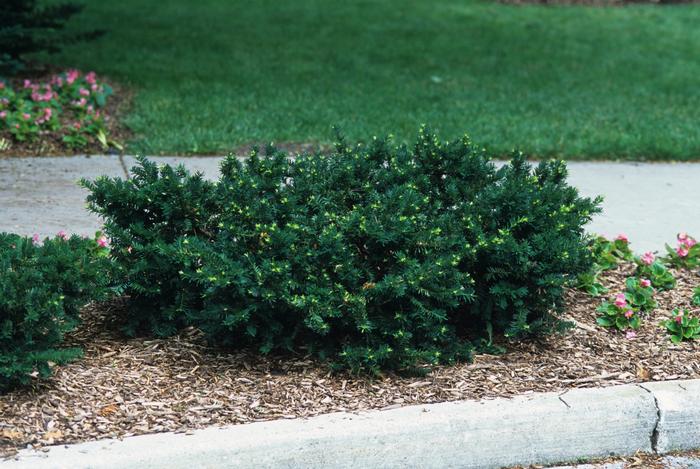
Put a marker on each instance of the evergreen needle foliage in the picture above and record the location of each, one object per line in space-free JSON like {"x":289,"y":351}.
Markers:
{"x":374,"y":257}
{"x":29,"y":26}
{"x":42,"y":288}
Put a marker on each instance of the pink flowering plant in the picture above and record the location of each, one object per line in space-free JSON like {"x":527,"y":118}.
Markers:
{"x":606,"y":255}
{"x":683,"y":325}
{"x":649,"y":267}
{"x":686,"y":254}
{"x":590,"y":283}
{"x":70,"y":105}
{"x":618,"y":313}
{"x":640,"y":294}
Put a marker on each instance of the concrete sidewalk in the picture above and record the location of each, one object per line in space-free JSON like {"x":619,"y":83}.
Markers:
{"x":650,"y":202}
{"x":541,"y":428}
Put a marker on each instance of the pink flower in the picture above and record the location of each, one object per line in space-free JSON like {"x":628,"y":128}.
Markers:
{"x":631,"y":334}
{"x":26,"y":116}
{"x":629,"y":313}
{"x":2,"y":85}
{"x":84,"y":92}
{"x":102,"y":241}
{"x":645,"y":283}
{"x":90,"y":78}
{"x":3,"y":114}
{"x":94,"y":87}
{"x":620,"y":300}
{"x":689,"y":243}
{"x":27,"y":84}
{"x":77,"y":126}
{"x":682,"y":251}
{"x":35,"y":238}
{"x":648,"y":258}
{"x":682,"y":236}
{"x":62,"y":234}
{"x":622,"y":237}
{"x":46,"y":116}
{"x":678,"y":318}
{"x":71,"y":76}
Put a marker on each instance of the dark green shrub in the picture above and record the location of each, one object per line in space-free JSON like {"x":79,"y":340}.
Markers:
{"x":374,"y":257}
{"x":42,"y":288}
{"x":28,"y":26}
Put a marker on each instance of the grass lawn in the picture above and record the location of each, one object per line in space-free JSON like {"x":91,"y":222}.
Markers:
{"x":572,"y":81}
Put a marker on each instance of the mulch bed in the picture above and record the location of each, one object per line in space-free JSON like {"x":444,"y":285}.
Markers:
{"x":639,"y":460}
{"x":50,"y":143}
{"x":136,"y":386}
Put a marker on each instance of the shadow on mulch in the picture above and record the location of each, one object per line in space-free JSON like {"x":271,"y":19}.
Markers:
{"x":123,"y":387}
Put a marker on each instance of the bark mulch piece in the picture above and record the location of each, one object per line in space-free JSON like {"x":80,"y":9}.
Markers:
{"x":127,"y":387}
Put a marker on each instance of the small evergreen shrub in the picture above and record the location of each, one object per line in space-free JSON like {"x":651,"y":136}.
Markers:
{"x":374,"y":257}
{"x":29,"y":26}
{"x":42,"y":288}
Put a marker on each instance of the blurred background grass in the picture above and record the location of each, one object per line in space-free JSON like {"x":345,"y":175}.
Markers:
{"x":577,"y":82}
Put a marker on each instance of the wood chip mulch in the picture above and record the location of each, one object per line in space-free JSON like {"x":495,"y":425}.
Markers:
{"x":127,"y":387}
{"x":635,"y":461}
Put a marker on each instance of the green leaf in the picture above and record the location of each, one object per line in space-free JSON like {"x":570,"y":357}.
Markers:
{"x":605,"y":322}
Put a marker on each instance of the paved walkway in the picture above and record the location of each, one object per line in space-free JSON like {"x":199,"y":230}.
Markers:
{"x":648,"y":202}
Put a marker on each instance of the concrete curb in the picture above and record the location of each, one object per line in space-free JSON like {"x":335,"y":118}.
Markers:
{"x":543,"y":428}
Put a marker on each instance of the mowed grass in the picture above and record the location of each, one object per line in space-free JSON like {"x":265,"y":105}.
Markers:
{"x":575,"y":82}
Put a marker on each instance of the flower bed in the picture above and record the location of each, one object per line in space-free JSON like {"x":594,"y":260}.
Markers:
{"x":65,"y":113}
{"x":125,"y":387}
